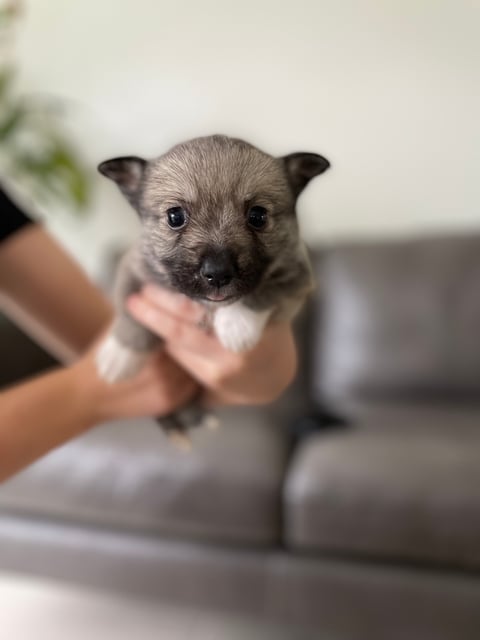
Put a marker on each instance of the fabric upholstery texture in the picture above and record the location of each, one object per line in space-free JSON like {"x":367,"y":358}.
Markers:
{"x":129,"y":475}
{"x":399,"y":321}
{"x":398,"y":485}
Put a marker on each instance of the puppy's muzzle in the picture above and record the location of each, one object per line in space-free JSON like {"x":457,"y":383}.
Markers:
{"x":218,"y":269}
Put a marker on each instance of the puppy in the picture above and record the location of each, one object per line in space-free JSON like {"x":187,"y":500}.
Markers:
{"x":219,"y":226}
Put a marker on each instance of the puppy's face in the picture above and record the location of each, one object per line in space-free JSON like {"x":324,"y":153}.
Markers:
{"x":218,"y":214}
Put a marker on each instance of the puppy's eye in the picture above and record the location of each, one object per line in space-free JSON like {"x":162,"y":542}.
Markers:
{"x":257,"y":217}
{"x":177,"y":217}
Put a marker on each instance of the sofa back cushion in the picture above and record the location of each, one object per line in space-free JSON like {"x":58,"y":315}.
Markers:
{"x":398,"y":320}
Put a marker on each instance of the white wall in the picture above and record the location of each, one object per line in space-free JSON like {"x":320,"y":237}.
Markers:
{"x":388,"y":90}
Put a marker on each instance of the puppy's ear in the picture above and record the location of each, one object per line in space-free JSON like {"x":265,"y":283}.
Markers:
{"x":127,"y":172}
{"x":302,"y":167}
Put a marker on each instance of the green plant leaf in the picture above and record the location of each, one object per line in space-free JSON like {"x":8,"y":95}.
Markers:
{"x":6,"y":80}
{"x":11,"y":121}
{"x":55,"y":174}
{"x":33,"y":146}
{"x":75,"y":176}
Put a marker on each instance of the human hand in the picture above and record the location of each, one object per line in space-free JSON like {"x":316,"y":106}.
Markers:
{"x":258,"y":376}
{"x":161,"y":387}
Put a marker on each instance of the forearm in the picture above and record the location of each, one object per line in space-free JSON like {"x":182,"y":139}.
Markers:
{"x":42,"y":414}
{"x":49,"y":294}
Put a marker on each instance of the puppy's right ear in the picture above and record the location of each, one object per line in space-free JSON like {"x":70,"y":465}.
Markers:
{"x":302,"y":167}
{"x":127,"y":172}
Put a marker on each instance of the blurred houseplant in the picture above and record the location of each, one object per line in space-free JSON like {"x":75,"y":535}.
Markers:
{"x":35,"y":152}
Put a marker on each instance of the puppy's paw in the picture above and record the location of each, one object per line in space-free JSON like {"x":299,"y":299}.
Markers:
{"x":116,"y":362}
{"x":239,"y":328}
{"x":210,"y":421}
{"x":180,"y":439}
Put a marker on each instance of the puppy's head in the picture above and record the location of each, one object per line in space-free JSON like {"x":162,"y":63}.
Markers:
{"x":217,"y":212}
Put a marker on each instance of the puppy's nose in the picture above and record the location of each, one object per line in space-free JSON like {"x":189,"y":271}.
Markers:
{"x":218,"y":270}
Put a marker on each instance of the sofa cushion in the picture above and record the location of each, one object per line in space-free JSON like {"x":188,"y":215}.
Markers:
{"x":401,"y":484}
{"x":129,"y":475}
{"x":399,"y":320}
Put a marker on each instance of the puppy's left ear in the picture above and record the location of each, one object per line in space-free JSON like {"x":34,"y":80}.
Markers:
{"x":127,"y":172}
{"x":302,"y":167}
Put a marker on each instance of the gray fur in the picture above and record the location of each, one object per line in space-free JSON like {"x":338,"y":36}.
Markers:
{"x":130,"y":278}
{"x":214,"y":176}
{"x":215,"y":179}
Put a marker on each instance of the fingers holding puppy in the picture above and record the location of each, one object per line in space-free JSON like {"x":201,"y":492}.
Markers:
{"x":256,"y":376}
{"x":175,"y":304}
{"x":173,"y":317}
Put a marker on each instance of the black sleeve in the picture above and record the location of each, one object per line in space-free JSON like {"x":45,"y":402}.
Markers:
{"x":12,"y":218}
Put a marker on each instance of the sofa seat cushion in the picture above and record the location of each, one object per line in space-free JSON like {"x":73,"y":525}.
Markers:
{"x":393,"y":486}
{"x":128,"y":475}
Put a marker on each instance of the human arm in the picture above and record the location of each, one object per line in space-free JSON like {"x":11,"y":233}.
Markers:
{"x":49,"y":295}
{"x":258,"y":376}
{"x":45,"y":412}
{"x":54,"y":300}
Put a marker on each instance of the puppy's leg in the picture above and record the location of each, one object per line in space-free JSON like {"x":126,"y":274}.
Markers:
{"x":176,"y":431}
{"x":238,"y":327}
{"x":125,"y":349}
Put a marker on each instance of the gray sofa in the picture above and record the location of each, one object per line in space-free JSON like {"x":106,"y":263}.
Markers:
{"x":351,"y":507}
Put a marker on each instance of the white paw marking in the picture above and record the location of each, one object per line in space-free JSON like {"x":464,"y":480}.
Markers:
{"x":239,"y":328}
{"x":116,"y":362}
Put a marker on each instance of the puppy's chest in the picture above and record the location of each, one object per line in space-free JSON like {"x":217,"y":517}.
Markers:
{"x":236,"y":326}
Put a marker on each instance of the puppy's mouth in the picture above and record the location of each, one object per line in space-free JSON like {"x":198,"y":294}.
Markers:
{"x":197,"y":289}
{"x":219,"y":297}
